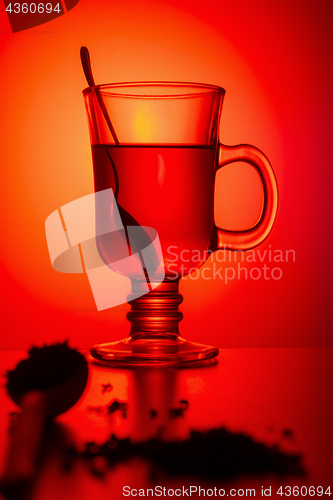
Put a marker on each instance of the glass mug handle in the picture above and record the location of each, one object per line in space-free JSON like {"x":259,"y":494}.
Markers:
{"x":250,"y":238}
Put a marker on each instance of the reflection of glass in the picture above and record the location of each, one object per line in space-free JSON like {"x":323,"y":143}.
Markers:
{"x":153,"y":395}
{"x":160,"y":156}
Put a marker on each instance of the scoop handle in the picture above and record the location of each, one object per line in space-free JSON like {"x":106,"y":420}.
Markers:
{"x":25,"y":444}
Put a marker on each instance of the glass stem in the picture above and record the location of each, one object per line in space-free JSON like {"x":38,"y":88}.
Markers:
{"x":156,"y":314}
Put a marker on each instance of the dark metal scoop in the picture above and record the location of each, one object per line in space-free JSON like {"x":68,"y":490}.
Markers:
{"x":45,"y":385}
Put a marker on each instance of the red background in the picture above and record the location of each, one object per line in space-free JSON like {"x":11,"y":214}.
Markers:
{"x":275,"y":61}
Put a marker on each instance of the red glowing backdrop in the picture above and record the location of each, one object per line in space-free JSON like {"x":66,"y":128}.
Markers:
{"x":275,"y":61}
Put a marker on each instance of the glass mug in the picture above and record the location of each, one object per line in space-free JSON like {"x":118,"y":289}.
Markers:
{"x":156,"y":144}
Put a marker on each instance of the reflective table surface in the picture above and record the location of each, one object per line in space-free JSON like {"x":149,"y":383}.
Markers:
{"x":256,"y":419}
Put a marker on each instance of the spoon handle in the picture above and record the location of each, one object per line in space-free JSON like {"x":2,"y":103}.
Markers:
{"x":25,"y":444}
{"x":86,"y":65}
{"x":85,"y":61}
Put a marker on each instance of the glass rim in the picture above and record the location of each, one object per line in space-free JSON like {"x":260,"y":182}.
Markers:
{"x":201,"y":89}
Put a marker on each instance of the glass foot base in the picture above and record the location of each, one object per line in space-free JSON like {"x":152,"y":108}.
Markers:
{"x":153,"y":352}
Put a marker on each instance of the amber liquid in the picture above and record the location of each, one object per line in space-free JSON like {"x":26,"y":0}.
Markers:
{"x":168,"y":188}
